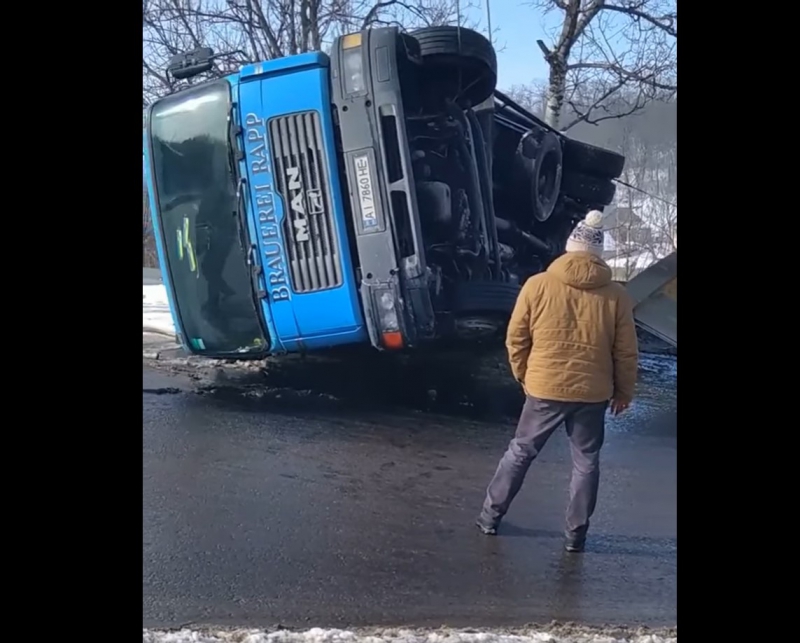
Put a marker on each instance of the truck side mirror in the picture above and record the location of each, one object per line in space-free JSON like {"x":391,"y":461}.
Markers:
{"x":191,"y":63}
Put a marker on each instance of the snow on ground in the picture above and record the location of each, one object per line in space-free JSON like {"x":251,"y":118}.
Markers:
{"x":659,"y":364}
{"x":635,"y":262}
{"x":317,"y":635}
{"x":155,"y":309}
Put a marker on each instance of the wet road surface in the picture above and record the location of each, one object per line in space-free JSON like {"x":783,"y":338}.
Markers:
{"x":264,"y":507}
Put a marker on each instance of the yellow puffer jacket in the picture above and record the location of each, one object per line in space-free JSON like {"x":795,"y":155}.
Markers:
{"x":572,"y":336}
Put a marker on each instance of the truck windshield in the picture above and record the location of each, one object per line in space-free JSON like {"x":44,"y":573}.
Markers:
{"x":197,"y":209}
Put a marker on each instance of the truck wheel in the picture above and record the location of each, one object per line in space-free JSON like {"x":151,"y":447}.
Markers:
{"x":460,"y":61}
{"x":548,"y":177}
{"x":591,"y":191}
{"x":481,"y":308}
{"x":589,"y":159}
{"x":540,"y":156}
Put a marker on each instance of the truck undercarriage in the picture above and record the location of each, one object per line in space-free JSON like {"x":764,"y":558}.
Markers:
{"x":494,"y":192}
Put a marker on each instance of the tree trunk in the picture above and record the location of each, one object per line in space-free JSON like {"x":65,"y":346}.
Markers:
{"x":556,"y":90}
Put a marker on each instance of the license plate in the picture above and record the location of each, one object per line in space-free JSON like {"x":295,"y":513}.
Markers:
{"x":366,"y":195}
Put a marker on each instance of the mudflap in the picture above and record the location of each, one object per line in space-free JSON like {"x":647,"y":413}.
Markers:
{"x":655,"y":298}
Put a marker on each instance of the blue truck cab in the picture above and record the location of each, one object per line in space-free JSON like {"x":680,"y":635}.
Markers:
{"x":250,"y":230}
{"x":384,"y":194}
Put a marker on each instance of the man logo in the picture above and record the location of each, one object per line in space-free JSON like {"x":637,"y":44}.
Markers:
{"x":297,"y":204}
{"x":314,"y":197}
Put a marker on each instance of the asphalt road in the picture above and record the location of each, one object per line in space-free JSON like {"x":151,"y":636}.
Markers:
{"x":266,"y":506}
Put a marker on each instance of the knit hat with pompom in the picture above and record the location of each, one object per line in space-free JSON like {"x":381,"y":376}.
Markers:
{"x":588,"y":235}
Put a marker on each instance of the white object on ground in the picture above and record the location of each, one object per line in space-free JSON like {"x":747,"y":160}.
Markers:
{"x":318,"y":635}
{"x":635,"y":262}
{"x":155,"y":309}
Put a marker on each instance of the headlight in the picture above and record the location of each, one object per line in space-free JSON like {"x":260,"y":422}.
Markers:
{"x":388,"y":312}
{"x":353,"y":70}
{"x":389,"y":322}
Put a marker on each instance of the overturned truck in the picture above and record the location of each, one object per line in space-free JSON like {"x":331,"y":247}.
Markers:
{"x":385,"y":194}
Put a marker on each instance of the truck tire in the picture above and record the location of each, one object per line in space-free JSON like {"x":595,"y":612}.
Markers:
{"x":539,"y":159}
{"x":484,"y":296}
{"x":590,"y":159}
{"x":460,"y":60}
{"x":590,"y":191}
{"x":546,"y":185}
{"x":410,"y":47}
{"x":481,"y":308}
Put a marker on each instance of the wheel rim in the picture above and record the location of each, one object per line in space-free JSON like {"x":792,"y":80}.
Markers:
{"x":546,"y":186}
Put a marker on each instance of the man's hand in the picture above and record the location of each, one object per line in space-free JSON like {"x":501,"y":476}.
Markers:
{"x":618,"y":407}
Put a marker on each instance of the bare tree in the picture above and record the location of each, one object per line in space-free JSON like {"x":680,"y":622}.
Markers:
{"x":660,"y":210}
{"x":532,"y":97}
{"x":246,"y":31}
{"x":645,"y":221}
{"x":604,"y":46}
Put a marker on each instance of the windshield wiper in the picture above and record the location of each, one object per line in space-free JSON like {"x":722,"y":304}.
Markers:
{"x":233,"y":130}
{"x":254,"y":270}
{"x":239,"y":213}
{"x":250,"y":248}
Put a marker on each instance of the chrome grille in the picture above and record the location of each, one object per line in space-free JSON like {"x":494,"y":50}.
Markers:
{"x":303,"y":181}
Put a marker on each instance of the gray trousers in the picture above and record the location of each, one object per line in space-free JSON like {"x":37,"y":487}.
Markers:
{"x":585,"y":424}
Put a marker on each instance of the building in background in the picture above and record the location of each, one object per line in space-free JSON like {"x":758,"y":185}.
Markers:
{"x":631,"y":244}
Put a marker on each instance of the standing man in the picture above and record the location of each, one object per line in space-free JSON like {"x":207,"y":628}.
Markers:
{"x":572,"y":346}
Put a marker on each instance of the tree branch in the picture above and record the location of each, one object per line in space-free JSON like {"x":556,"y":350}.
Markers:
{"x":628,"y":75}
{"x":666,"y":23}
{"x":610,"y":45}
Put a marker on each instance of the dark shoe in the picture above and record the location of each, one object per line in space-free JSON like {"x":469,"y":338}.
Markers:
{"x":487,"y":528}
{"x":575,"y":541}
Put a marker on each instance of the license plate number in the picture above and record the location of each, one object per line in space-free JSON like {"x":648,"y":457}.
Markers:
{"x":366,"y":195}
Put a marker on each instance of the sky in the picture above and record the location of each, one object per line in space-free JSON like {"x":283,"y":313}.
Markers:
{"x":517,"y":26}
